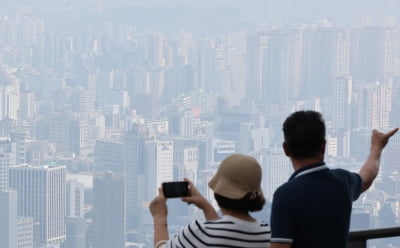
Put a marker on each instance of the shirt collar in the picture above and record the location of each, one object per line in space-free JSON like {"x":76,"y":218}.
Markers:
{"x":309,"y":169}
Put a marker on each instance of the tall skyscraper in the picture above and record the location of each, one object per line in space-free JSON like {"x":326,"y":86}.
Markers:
{"x":133,"y":143}
{"x":41,"y":195}
{"x":157,"y":45}
{"x":208,"y":61}
{"x":257,"y":53}
{"x":374,"y":54}
{"x":238,"y":69}
{"x":342,"y":100}
{"x":109,"y":212}
{"x":272,"y":66}
{"x":326,"y":56}
{"x":8,"y":219}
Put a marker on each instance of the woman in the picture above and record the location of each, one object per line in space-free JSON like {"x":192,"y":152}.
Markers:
{"x":237,"y":190}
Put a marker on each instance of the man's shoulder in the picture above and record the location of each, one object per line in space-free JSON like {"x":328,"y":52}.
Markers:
{"x":287,"y":188}
{"x":346,"y":174}
{"x":301,"y":182}
{"x":341,"y":171}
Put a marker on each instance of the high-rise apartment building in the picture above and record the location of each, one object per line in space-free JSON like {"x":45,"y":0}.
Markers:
{"x":257,"y":53}
{"x":342,"y":100}
{"x":41,"y":195}
{"x":157,"y":45}
{"x":326,"y":56}
{"x":272,"y":67}
{"x":207,"y":66}
{"x":109,"y":219}
{"x":237,"y":67}
{"x":374,"y":54}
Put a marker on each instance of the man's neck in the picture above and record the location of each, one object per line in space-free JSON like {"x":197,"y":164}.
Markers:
{"x":300,"y":163}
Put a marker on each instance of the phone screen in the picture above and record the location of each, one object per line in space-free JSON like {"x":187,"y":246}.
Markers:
{"x":175,"y":189}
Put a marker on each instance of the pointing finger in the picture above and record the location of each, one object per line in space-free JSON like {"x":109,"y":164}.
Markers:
{"x":391,"y":133}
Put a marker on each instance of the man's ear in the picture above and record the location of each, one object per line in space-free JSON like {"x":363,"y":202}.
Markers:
{"x":323,"y":147}
{"x":285,"y":149}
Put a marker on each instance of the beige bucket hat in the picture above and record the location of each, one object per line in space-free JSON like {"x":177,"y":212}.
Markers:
{"x":236,"y":176}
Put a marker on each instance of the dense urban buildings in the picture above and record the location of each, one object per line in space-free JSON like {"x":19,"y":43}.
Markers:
{"x":103,"y":100}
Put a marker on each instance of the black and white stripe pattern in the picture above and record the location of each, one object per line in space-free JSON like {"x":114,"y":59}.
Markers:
{"x":224,"y":232}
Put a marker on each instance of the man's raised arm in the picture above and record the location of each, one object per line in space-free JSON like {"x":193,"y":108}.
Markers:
{"x":370,"y":169}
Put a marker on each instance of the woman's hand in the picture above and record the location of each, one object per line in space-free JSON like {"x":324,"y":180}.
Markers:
{"x":158,"y":207}
{"x":198,"y":199}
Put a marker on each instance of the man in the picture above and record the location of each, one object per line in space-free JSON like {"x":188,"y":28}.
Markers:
{"x":313,"y":208}
{"x":237,"y":190}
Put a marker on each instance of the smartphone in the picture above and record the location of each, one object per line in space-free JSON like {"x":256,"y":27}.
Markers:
{"x":175,"y":189}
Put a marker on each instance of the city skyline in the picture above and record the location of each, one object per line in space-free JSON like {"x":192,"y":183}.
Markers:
{"x":103,"y":94}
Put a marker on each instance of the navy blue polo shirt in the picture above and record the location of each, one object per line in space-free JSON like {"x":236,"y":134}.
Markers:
{"x":313,"y":208}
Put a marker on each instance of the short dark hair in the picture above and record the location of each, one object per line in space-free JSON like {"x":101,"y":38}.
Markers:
{"x":246,"y":204}
{"x":304,"y":133}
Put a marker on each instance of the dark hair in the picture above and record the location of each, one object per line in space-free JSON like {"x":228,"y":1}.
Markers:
{"x":304,"y":133}
{"x":246,"y":204}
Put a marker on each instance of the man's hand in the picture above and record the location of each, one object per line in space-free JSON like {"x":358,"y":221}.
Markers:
{"x":379,"y":140}
{"x":197,"y":199}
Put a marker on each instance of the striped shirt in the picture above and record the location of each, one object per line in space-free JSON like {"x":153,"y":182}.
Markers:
{"x":226,"y":231}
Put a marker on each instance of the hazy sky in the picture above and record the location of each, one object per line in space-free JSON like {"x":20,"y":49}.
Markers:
{"x":205,"y":15}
